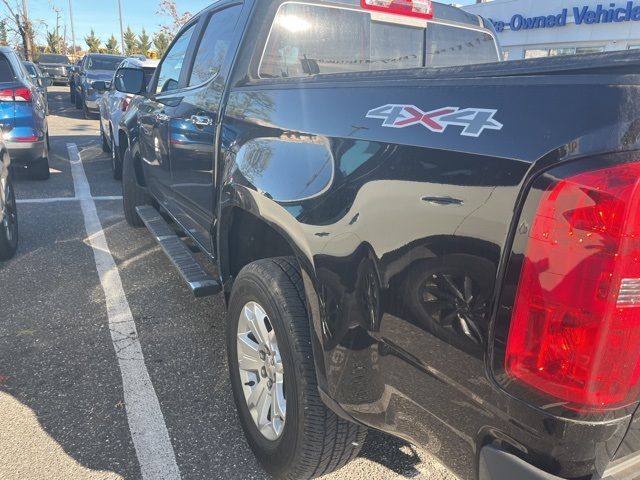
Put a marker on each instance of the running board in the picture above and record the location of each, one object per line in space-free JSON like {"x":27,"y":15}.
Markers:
{"x":201,"y":283}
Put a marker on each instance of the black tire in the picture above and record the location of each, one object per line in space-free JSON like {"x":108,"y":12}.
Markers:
{"x":106,"y":147}
{"x":9,"y":225}
{"x":133,"y":195}
{"x":78,"y":100}
{"x":116,"y":161}
{"x":39,"y":169}
{"x":314,"y":441}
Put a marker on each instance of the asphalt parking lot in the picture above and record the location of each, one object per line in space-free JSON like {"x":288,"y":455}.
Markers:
{"x":62,"y":398}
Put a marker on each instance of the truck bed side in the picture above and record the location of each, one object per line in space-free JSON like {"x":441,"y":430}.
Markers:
{"x":377,"y":204}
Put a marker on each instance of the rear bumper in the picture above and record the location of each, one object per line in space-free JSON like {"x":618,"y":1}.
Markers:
{"x":92,"y":105}
{"x":627,"y":468}
{"x":23,"y":153}
{"x":91,"y":100}
{"x":498,"y":465}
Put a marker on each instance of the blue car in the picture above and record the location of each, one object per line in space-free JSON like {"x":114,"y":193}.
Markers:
{"x":23,"y":117}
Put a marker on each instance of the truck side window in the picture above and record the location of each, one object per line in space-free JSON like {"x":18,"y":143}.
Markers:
{"x":169,"y":74}
{"x":451,"y":46}
{"x":214,"y":44}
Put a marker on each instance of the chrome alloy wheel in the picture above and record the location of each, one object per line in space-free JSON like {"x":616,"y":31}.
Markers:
{"x":261,"y":371}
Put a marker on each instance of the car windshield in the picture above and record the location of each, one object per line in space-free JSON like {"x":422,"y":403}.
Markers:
{"x":31,"y":68}
{"x":103,"y":63}
{"x":49,"y":58}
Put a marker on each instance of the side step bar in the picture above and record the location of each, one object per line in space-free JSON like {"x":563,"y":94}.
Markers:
{"x":201,"y":283}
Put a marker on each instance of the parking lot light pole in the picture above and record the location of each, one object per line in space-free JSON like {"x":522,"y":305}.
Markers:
{"x":121,"y":30}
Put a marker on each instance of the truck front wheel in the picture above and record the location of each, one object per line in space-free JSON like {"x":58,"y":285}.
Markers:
{"x":292,"y":433}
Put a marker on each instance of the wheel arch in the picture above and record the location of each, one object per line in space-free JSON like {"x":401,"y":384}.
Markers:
{"x":246,"y":234}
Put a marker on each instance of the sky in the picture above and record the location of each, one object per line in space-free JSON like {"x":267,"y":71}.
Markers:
{"x":102,"y":16}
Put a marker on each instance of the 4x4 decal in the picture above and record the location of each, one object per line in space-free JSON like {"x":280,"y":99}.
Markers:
{"x":474,"y":120}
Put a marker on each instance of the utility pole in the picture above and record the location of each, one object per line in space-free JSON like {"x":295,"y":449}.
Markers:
{"x":121,"y":29}
{"x":73,"y":32}
{"x":28,"y":31}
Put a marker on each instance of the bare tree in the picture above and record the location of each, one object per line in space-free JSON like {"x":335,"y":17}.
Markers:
{"x":168,"y":8}
{"x":18,"y":23}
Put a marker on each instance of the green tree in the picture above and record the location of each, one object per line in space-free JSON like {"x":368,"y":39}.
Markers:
{"x":161,"y":42}
{"x":130,"y":42}
{"x":112,"y":45}
{"x":93,"y":42}
{"x":55,"y":43}
{"x":3,"y":34}
{"x":144,"y":42}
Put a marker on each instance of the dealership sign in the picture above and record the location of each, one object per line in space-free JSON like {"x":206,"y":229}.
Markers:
{"x":603,"y":13}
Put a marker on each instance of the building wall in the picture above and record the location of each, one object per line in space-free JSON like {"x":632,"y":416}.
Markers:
{"x":597,"y":29}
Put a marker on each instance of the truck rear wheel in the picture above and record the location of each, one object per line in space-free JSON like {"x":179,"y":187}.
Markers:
{"x":133,"y":195}
{"x":292,"y":433}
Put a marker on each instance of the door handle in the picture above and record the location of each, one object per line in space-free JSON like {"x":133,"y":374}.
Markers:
{"x":201,"y":121}
{"x":162,"y":117}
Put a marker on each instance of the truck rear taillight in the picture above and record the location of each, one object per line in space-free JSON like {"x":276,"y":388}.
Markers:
{"x":575,"y":329}
{"x":20,"y":94}
{"x":411,"y":8}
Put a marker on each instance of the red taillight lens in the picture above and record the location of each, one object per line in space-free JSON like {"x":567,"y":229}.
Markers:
{"x":22,"y":95}
{"x":411,"y":8}
{"x":6,"y":95}
{"x":575,"y":330}
{"x":31,"y":138}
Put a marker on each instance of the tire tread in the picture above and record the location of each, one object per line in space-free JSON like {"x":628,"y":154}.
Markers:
{"x":330,"y":442}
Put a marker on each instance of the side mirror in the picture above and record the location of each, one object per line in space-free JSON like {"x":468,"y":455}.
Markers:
{"x":130,"y":80}
{"x":100,"y":86}
{"x":45,"y":81}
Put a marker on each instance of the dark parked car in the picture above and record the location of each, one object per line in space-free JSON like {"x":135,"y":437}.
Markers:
{"x":73,"y":71}
{"x":23,"y":116}
{"x":410,"y":235}
{"x":42,"y":81}
{"x":55,"y":66}
{"x":95,"y":67}
{"x":8,"y":209}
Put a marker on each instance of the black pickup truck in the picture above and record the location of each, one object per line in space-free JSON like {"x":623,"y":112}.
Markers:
{"x":410,"y":235}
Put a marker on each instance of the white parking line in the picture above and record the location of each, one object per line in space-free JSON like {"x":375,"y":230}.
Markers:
{"x":146,"y":423}
{"x":64,"y":199}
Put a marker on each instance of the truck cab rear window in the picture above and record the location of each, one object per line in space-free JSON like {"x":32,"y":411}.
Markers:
{"x":449,"y":46}
{"x":312,"y":39}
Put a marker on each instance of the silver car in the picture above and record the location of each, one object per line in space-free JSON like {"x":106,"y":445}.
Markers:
{"x":112,"y":105}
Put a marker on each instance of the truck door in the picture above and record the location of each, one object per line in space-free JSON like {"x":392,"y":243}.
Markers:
{"x":193,"y":125}
{"x":155,"y":113}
